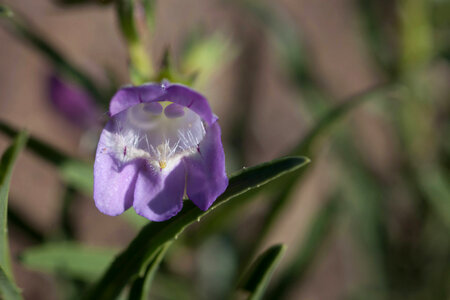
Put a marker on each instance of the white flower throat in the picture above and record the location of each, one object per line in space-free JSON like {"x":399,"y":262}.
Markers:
{"x":160,"y":132}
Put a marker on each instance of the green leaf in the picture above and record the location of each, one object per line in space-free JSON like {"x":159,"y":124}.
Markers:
{"x":6,"y":167}
{"x":336,"y":113}
{"x":172,"y":286}
{"x":152,"y":236}
{"x":284,"y":188}
{"x":40,"y":148}
{"x":150,"y":10}
{"x":287,"y":40}
{"x":20,"y":222}
{"x":75,"y":173}
{"x":435,"y":183}
{"x":308,"y":250}
{"x":374,"y":33}
{"x":205,"y":55}
{"x":141,"y":286}
{"x":325,"y":122}
{"x":134,"y":219}
{"x":8,"y":290}
{"x":257,"y":277}
{"x":72,"y":259}
{"x":61,"y":63}
{"x":5,"y":12}
{"x":79,"y":175}
{"x":367,"y":218}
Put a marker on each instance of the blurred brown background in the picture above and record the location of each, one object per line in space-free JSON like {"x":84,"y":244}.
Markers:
{"x":89,"y":36}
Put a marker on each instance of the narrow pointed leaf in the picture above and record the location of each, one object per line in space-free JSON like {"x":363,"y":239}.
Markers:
{"x":141,"y":286}
{"x":287,"y":39}
{"x":257,"y":277}
{"x":8,"y":290}
{"x":19,"y":221}
{"x":79,"y":175}
{"x":152,"y":236}
{"x":75,"y":173}
{"x":40,"y":148}
{"x":150,"y":10}
{"x":435,"y":183}
{"x":72,"y":259}
{"x":285,"y":187}
{"x":6,"y":167}
{"x":134,"y":219}
{"x":374,"y":33}
{"x":309,"y":248}
{"x":337,"y":113}
{"x":324,"y":123}
{"x":21,"y":28}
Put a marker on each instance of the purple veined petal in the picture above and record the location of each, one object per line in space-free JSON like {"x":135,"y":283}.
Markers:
{"x":154,"y":107}
{"x":158,"y":195}
{"x":153,"y":92}
{"x":191,"y":99}
{"x":174,"y":111}
{"x":129,"y":174}
{"x":132,"y":95}
{"x":113,"y":183}
{"x":206,"y":178}
{"x":73,"y":102}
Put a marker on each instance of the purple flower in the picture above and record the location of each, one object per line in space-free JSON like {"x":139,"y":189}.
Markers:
{"x":74,"y":103}
{"x":162,"y":141}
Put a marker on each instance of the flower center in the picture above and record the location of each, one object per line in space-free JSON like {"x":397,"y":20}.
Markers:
{"x":161,"y":132}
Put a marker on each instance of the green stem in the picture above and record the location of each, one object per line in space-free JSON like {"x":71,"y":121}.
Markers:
{"x":141,"y":68}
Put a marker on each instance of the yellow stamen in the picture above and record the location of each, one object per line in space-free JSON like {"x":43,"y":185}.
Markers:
{"x":164,"y":104}
{"x":162,"y":164}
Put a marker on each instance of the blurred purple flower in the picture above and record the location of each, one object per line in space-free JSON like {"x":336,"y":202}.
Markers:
{"x":74,"y":103}
{"x":162,"y":141}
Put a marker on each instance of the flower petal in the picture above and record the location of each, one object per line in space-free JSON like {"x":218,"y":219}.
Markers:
{"x":189,"y":98}
{"x":206,"y":177}
{"x":153,"y":107}
{"x":113,"y":183}
{"x":132,"y":95}
{"x":151,"y":92}
{"x":159,"y":194}
{"x":73,"y":102}
{"x":174,"y":111}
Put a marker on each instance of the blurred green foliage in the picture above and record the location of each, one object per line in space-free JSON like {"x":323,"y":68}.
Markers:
{"x":397,"y":223}
{"x":8,"y":288}
{"x":256,"y":279}
{"x":68,"y":258}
